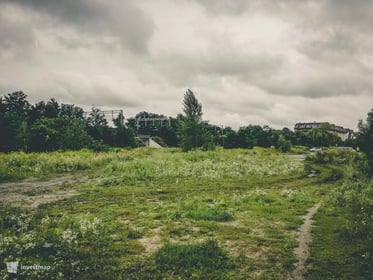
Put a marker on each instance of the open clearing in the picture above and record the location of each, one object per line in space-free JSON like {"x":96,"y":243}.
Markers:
{"x":139,"y":214}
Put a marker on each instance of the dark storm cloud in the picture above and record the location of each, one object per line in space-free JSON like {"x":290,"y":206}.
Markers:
{"x":115,"y":20}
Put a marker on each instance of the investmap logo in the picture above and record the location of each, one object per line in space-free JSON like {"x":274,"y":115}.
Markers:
{"x":12,"y":267}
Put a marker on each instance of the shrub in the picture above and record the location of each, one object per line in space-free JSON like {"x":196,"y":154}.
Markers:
{"x":356,"y":199}
{"x":335,"y":156}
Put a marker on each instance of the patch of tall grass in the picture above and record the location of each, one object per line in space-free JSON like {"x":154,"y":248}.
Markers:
{"x":168,"y":166}
{"x":145,"y":164}
{"x":183,"y":259}
{"x":19,"y":165}
{"x":200,"y":211}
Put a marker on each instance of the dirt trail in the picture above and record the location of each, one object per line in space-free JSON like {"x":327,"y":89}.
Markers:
{"x":304,"y":238}
{"x":31,"y":193}
{"x":300,"y":157}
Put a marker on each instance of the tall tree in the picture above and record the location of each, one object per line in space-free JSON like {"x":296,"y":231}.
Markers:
{"x":192,"y":108}
{"x":191,"y":130}
{"x":122,"y":134}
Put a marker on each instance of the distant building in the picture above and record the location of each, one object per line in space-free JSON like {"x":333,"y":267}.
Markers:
{"x":343,"y":133}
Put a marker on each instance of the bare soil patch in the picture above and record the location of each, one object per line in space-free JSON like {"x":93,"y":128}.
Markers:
{"x":153,"y":242}
{"x":31,"y":193}
{"x":34,"y":201}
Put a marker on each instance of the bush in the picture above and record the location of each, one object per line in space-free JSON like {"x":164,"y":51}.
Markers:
{"x":356,"y":199}
{"x":98,"y":146}
{"x":335,"y":156}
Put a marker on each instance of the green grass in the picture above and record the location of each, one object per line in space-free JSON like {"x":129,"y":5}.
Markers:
{"x":185,"y":258}
{"x":332,"y":256}
{"x":147,"y":165}
{"x":343,"y":233}
{"x":163,"y":214}
{"x":205,"y":210}
{"x":299,"y":149}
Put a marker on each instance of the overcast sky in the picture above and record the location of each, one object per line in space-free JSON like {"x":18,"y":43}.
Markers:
{"x":248,"y":62}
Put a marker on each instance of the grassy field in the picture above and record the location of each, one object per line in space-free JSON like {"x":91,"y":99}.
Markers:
{"x":161,"y":214}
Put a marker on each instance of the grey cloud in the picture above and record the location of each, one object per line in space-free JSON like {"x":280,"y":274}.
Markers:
{"x":181,"y":69}
{"x":331,"y":85}
{"x":311,"y":16}
{"x":247,"y":100}
{"x":320,"y":55}
{"x":336,"y":40}
{"x":355,"y":14}
{"x":81,"y":89}
{"x":226,"y":7}
{"x":98,"y":19}
{"x":16,"y":34}
{"x":248,"y":67}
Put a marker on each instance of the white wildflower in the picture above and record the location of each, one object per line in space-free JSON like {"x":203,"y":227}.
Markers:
{"x":46,"y":220}
{"x":86,"y":225}
{"x":68,"y":236}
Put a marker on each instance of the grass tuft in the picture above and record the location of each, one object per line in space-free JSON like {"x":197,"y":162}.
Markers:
{"x":181,"y":258}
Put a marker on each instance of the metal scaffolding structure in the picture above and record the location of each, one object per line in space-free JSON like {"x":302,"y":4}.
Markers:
{"x":109,"y":113}
{"x":152,"y":122}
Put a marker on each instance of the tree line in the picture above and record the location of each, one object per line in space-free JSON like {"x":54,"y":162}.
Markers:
{"x":49,"y":126}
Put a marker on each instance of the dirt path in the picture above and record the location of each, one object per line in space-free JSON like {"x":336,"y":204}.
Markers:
{"x":300,"y":157}
{"x":302,"y":252}
{"x":31,"y":193}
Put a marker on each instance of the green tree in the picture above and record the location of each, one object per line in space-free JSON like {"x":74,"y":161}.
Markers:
{"x":229,"y":138}
{"x":365,"y":138}
{"x":71,"y":111}
{"x":191,"y":132}
{"x":50,"y":134}
{"x":14,"y":115}
{"x":44,"y":135}
{"x":97,"y":124}
{"x":123,"y":135}
{"x":283,"y":144}
{"x":191,"y":107}
{"x":73,"y":134}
